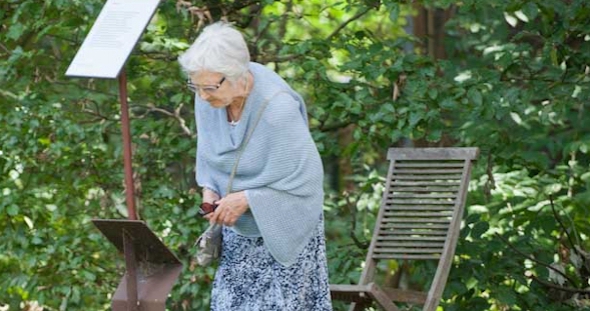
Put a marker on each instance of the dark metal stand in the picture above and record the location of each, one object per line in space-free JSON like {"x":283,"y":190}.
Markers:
{"x":151,"y":269}
{"x":131,"y":276}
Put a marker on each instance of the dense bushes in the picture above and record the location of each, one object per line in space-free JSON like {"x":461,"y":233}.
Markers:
{"x":515,"y":82}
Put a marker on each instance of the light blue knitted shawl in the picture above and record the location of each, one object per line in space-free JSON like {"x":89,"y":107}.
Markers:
{"x":280,"y":168}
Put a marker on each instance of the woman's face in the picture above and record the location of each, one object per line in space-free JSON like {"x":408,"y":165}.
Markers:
{"x":214,"y":88}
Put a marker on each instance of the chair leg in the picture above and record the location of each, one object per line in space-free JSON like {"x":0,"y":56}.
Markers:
{"x":382,"y":299}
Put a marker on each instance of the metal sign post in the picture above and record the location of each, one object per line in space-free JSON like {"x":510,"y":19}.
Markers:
{"x":151,"y":269}
{"x":127,"y":156}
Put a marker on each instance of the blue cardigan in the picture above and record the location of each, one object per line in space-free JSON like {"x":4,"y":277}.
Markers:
{"x":280,"y":169}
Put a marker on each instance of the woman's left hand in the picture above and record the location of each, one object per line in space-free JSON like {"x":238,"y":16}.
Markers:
{"x":229,"y":209}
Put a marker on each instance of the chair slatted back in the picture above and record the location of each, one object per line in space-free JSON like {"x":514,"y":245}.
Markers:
{"x":423,"y":199}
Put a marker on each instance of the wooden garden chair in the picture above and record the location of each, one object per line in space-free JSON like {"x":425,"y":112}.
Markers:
{"x":419,"y":219}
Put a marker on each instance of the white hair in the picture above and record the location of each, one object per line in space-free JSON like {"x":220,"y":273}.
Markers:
{"x":219,"y":48}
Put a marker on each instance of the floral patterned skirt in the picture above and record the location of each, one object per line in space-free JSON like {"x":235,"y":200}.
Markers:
{"x":250,"y":279}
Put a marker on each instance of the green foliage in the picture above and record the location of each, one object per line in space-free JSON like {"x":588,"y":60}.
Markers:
{"x":516,"y":83}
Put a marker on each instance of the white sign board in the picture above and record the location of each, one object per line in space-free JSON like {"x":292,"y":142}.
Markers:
{"x":112,"y":38}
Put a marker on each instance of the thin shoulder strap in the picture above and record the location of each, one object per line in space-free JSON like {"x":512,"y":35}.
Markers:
{"x":248,"y":136}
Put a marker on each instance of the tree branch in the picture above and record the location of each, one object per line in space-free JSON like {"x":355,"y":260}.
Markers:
{"x":490,"y":183}
{"x":4,"y":48}
{"x":82,"y":87}
{"x":350,"y":20}
{"x":352,"y":209}
{"x":64,"y":38}
{"x":552,"y":83}
{"x":561,"y":224}
{"x":334,"y":126}
{"x":561,"y":288}
{"x":279,"y":59}
{"x":239,"y":5}
{"x":97,"y":114}
{"x":175,"y":115}
{"x":534,"y":260}
{"x":283,"y":23}
{"x":158,"y":56}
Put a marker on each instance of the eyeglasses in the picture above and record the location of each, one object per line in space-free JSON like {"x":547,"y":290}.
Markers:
{"x":207,"y":208}
{"x":205,"y":88}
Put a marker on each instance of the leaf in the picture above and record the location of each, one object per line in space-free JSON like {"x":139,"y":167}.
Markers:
{"x":531,"y":10}
{"x":521,"y":16}
{"x":511,"y":20}
{"x":192,"y":212}
{"x":479,"y":229}
{"x":177,"y":98}
{"x":434,"y":136}
{"x":12,"y":210}
{"x":36,"y":241}
{"x":463,"y":76}
{"x":88,"y":275}
{"x":475,"y":96}
{"x":29,"y":222}
{"x":576,"y":259}
{"x":44,"y":141}
{"x":449,"y":104}
{"x":507,"y":296}
{"x":557,"y":277}
{"x":15,"y":31}
{"x":432,"y":93}
{"x":472,"y":218}
{"x":394,"y":11}
{"x":516,"y":118}
{"x":553,"y":56}
{"x":415,"y":117}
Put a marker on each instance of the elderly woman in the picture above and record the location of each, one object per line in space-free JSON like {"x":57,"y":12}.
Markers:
{"x":273,"y":248}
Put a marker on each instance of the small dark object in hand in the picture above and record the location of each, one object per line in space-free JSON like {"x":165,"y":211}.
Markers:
{"x":207,"y":208}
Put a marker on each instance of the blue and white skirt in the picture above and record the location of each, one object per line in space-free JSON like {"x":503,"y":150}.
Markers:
{"x":250,"y":279}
